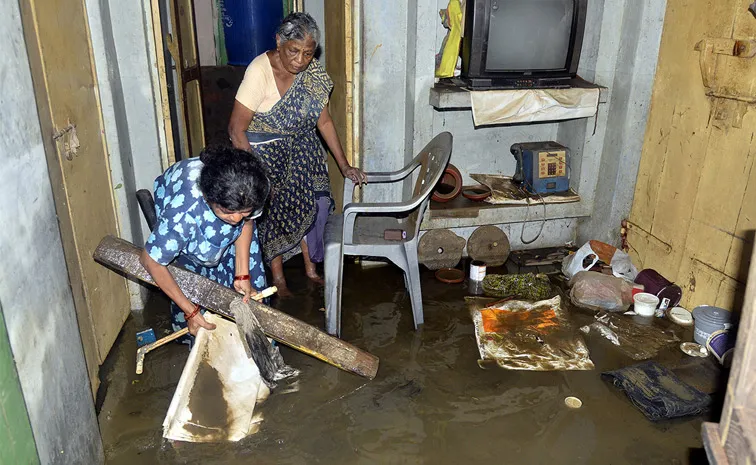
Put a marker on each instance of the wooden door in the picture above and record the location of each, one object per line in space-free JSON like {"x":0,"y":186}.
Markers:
{"x":339,"y":65}
{"x":182,"y":45}
{"x":65,"y":84}
{"x":693,"y":210}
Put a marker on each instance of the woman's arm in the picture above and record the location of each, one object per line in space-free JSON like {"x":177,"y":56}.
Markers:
{"x":242,"y":261}
{"x":241,"y":116}
{"x":328,"y":130}
{"x":167,"y":284}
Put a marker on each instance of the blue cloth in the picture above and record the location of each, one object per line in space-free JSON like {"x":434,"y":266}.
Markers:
{"x":188,"y":233}
{"x":657,"y":392}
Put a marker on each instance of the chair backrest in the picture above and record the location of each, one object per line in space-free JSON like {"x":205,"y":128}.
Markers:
{"x":433,"y":159}
{"x":147,"y":205}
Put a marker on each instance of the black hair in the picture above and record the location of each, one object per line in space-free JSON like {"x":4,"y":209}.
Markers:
{"x":234,"y":179}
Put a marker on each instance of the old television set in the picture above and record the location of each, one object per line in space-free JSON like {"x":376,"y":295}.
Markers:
{"x":522,"y":43}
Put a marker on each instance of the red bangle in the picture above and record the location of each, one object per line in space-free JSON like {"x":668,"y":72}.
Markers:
{"x":194,"y":313}
{"x":241,"y":277}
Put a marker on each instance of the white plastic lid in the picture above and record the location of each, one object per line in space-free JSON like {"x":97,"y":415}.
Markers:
{"x":646,"y":298}
{"x":681,"y":316}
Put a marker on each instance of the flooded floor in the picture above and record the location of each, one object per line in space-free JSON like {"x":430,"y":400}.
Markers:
{"x":430,"y":403}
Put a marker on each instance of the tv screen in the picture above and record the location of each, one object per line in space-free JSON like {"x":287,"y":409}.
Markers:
{"x":529,"y":34}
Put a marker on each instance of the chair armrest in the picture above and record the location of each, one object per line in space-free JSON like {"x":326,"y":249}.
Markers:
{"x":348,"y":192}
{"x":376,"y":178}
{"x":392,"y":176}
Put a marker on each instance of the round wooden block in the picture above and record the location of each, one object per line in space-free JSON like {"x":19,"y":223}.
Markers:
{"x":488,"y":244}
{"x":440,"y":248}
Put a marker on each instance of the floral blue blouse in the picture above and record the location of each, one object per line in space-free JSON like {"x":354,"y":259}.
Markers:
{"x":189,"y":233}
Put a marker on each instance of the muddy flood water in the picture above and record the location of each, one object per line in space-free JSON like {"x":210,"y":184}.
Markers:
{"x":431,"y":402}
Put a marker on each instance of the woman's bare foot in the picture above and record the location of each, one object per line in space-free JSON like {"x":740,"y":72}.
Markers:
{"x":310,"y":268}
{"x":283,"y":291}
{"x":279,"y":280}
{"x":314,"y":276}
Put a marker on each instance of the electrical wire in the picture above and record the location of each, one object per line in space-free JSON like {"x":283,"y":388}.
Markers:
{"x":527,"y":214}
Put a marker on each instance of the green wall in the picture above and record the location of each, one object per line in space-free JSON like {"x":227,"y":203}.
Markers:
{"x":15,"y":431}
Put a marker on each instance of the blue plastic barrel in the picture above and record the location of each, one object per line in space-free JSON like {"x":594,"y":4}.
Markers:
{"x":249,"y":27}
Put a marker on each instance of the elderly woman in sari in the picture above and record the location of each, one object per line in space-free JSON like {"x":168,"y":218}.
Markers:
{"x":280,"y":106}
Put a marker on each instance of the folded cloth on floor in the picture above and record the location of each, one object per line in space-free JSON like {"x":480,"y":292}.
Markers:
{"x":657,"y":392}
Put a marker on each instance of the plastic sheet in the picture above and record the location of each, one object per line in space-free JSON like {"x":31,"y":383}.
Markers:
{"x":218,"y":391}
{"x":638,"y":339}
{"x":597,"y":291}
{"x":522,"y":335}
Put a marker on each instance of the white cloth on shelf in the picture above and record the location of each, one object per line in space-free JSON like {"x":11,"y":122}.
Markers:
{"x":531,"y":105}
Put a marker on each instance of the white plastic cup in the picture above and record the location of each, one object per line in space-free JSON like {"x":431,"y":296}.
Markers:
{"x":645,"y":304}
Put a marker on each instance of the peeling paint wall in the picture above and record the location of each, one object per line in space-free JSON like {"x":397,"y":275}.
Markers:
{"x":37,"y":304}
{"x":694,"y":212}
{"x":399,"y":43}
{"x":121,"y":35}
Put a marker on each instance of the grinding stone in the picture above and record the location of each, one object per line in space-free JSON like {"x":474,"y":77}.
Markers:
{"x":490,"y":245}
{"x":440,"y":248}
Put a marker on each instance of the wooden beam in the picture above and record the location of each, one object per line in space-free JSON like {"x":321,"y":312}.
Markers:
{"x":123,"y":256}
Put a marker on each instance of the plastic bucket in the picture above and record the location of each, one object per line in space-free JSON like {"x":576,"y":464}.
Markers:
{"x":658,"y":285}
{"x":645,"y":303}
{"x":709,"y":320}
{"x":721,"y":345}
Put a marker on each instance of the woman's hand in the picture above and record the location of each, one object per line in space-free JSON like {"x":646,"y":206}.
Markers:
{"x":198,"y":321}
{"x":355,"y":174}
{"x":245,"y":287}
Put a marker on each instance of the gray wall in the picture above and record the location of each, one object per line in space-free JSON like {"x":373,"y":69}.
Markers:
{"x":36,"y":299}
{"x":620,"y":50}
{"x":316,"y":8}
{"x":636,"y":54}
{"x":123,"y":49}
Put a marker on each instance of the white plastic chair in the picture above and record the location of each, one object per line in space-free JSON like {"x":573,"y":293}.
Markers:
{"x":359,"y":230}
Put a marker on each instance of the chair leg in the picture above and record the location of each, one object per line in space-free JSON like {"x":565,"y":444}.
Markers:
{"x":333,"y":264}
{"x":412,"y":274}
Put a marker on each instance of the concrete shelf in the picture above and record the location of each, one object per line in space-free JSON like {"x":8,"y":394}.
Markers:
{"x":461,"y":213}
{"x":444,"y":96}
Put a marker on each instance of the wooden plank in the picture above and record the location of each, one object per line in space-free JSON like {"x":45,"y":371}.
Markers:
{"x":190,"y":75}
{"x":122,"y":256}
{"x":737,"y":427}
{"x":720,"y":193}
{"x":165,"y":104}
{"x":339,"y":56}
{"x":713,"y":444}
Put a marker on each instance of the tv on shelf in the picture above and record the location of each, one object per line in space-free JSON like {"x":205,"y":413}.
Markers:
{"x":510,"y":44}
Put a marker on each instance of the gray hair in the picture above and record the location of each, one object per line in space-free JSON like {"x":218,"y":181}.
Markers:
{"x":298,"y":26}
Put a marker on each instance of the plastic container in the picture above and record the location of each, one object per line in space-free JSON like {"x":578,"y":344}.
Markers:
{"x":709,"y":320}
{"x":477,"y":270}
{"x":680,"y":316}
{"x":249,"y":28}
{"x":721,"y":344}
{"x":645,"y":303}
{"x":661,"y":287}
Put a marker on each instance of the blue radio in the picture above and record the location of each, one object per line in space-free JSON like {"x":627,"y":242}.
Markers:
{"x":542,"y":167}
